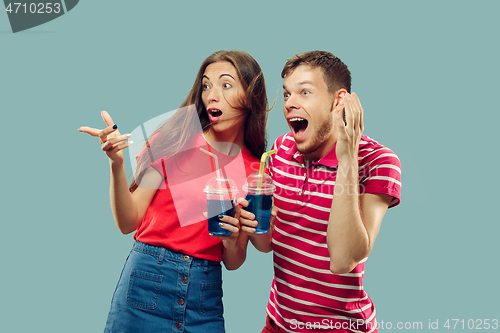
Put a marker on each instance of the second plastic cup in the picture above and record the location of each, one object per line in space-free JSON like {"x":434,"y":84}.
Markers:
{"x":259,"y":191}
{"x":220,"y":195}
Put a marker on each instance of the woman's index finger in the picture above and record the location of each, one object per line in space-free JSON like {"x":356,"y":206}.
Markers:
{"x":89,"y":130}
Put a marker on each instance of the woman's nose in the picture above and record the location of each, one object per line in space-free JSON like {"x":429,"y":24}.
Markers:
{"x":213,"y":95}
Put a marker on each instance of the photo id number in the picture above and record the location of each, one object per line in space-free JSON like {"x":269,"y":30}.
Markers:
{"x":33,"y":8}
{"x":472,"y":324}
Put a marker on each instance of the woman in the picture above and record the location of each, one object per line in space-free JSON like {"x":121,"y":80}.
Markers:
{"x":171,"y":281}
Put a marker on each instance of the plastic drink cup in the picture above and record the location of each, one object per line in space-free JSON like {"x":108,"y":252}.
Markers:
{"x":220,"y":195}
{"x":259,"y":190}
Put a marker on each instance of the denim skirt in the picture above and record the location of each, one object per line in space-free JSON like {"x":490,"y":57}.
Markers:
{"x":164,"y":291}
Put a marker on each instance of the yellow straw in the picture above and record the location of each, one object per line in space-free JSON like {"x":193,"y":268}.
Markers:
{"x":262,"y":163}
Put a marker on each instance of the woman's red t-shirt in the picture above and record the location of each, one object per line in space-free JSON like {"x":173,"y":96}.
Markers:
{"x":175,"y":219}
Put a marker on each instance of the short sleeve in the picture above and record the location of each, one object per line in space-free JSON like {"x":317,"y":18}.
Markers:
{"x":381,"y":174}
{"x":158,"y":163}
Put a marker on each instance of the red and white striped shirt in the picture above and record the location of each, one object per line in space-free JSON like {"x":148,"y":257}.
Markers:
{"x":305,"y":295}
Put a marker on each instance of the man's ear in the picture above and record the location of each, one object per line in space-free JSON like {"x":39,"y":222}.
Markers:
{"x":338,"y":102}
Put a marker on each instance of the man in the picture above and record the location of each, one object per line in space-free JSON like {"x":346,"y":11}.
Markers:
{"x":334,"y":186}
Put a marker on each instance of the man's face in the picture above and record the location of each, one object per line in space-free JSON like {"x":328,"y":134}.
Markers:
{"x":308,"y":110}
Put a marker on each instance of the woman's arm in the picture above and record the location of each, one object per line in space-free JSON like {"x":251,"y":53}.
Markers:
{"x":235,"y":253}
{"x":128,"y":208}
{"x":235,"y":245}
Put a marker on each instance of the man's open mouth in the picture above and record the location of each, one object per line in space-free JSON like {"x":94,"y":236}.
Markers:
{"x":298,"y":125}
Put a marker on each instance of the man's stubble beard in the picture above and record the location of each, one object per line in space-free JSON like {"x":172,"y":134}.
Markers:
{"x":323,"y":133}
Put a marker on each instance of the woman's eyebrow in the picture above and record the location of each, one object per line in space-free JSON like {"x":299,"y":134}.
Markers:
{"x":227,"y":75}
{"x":206,"y":77}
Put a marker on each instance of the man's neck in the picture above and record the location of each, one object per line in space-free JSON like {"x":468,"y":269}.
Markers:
{"x":322,"y":150}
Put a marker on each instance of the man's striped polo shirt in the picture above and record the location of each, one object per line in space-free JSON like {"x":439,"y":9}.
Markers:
{"x":305,"y":295}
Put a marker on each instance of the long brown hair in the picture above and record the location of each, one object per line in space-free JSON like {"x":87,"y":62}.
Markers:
{"x":177,"y":131}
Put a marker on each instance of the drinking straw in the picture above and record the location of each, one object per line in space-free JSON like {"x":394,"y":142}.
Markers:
{"x":217,"y":172}
{"x":261,"y":169}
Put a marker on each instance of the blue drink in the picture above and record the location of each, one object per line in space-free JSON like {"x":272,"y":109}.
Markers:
{"x":260,"y":205}
{"x":216,"y":207}
{"x":220,"y":194}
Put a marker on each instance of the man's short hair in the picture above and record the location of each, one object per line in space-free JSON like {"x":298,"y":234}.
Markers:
{"x":335,"y":72}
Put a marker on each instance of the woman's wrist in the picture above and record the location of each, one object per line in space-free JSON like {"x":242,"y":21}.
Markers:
{"x":115,"y":166}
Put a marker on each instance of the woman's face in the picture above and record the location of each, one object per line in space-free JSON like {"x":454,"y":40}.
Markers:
{"x":222,"y":91}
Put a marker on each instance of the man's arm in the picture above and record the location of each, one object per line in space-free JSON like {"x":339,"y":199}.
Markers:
{"x":262,"y":242}
{"x":353,"y":227}
{"x":354,"y":220}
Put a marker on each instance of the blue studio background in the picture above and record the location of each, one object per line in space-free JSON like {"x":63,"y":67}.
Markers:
{"x":427,"y":76}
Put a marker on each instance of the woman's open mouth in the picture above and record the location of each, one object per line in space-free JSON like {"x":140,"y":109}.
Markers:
{"x":298,"y":126}
{"x":214,"y":115}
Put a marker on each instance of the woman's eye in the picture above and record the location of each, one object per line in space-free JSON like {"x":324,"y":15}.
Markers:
{"x":205,"y":86}
{"x":226,"y":85}
{"x":305,"y":92}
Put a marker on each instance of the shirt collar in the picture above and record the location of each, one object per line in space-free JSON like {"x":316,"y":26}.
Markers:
{"x":329,"y":160}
